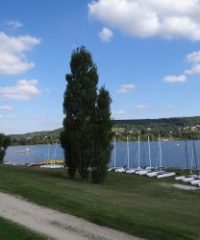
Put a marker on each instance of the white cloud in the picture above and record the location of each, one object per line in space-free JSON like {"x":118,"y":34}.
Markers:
{"x":106,"y":34}
{"x":119,"y":114}
{"x":126,"y":88}
{"x":24,"y":89}
{"x":6,"y":117}
{"x":12,"y":53}
{"x":6,"y":107}
{"x":175,"y":79}
{"x":148,"y":18}
{"x":14,"y":24}
{"x":193,"y":57}
{"x":194,"y":70}
{"x":141,"y":107}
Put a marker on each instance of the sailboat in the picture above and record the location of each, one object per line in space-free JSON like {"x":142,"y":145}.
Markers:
{"x":158,"y":171}
{"x":114,"y":157}
{"x":187,"y":165}
{"x":147,"y":169}
{"x":53,"y":162}
{"x":196,"y":179}
{"x":133,"y":170}
{"x":192,"y":177}
{"x":24,"y":150}
{"x":123,"y":169}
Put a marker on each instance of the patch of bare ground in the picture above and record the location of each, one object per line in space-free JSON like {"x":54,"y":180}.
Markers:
{"x":180,"y":186}
{"x":53,"y":224}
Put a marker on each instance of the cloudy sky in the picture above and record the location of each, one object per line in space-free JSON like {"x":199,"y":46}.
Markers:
{"x":147,"y":53}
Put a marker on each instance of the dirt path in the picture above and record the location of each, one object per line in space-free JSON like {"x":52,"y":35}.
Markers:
{"x":185,"y":187}
{"x":54,"y":224}
{"x":180,"y":186}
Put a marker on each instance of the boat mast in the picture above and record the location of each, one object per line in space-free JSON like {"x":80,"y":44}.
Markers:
{"x":48,"y":151}
{"x":138,"y":151}
{"x":186,"y":155}
{"x":195,"y":159}
{"x":127,"y":146}
{"x":192,"y":161}
{"x":149,"y":152}
{"x":160,"y":151}
{"x":114,"y":152}
{"x":55,"y":153}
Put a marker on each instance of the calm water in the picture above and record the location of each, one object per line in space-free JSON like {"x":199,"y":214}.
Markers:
{"x":174,"y":154}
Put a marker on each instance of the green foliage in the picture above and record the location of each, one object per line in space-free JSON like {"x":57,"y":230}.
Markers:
{"x":12,"y":231}
{"x":103,"y":136}
{"x":4,"y":143}
{"x":43,"y":137}
{"x":87,"y":118}
{"x":79,"y":104}
{"x":170,"y":128}
{"x":146,"y":207}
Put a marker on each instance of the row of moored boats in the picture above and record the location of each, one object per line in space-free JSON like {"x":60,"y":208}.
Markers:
{"x":159,"y":173}
{"x":149,"y":171}
{"x":192,"y":179}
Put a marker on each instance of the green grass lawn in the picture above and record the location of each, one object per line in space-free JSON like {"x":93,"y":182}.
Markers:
{"x":138,"y":205}
{"x":11,"y":231}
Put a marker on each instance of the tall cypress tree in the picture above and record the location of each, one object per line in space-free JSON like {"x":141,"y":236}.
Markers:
{"x":87,"y":126}
{"x":103,"y":136}
{"x":4,"y":143}
{"x":79,"y":107}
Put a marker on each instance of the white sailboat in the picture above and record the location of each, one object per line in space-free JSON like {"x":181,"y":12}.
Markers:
{"x":53,"y":162}
{"x":123,"y":169}
{"x":186,"y":159}
{"x":195,"y":181}
{"x":147,"y":169}
{"x":177,"y":178}
{"x":23,"y":150}
{"x":159,"y":170}
{"x":114,"y":157}
{"x":133,"y":170}
{"x":166,"y":174}
{"x":190,"y":178}
{"x":160,"y":173}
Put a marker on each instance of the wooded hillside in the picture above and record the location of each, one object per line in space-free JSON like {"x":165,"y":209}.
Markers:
{"x":168,"y":128}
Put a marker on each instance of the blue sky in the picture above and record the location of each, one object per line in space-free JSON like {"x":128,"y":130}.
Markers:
{"x":147,"y":53}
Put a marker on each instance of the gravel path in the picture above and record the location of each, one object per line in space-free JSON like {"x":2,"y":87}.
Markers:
{"x":185,"y":187}
{"x":55,"y":225}
{"x":180,"y":186}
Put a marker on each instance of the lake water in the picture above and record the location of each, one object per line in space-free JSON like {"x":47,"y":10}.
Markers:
{"x":175,"y":154}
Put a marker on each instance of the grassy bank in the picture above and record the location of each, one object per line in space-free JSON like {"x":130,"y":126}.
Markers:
{"x":11,"y":231}
{"x":135,"y":204}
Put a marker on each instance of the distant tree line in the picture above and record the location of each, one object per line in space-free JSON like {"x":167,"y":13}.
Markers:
{"x":170,"y":128}
{"x":36,"y":138}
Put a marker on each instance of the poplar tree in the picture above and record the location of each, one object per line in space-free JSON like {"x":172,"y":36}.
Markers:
{"x":103,"y":136}
{"x":84,"y":111}
{"x":4,"y":143}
